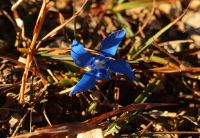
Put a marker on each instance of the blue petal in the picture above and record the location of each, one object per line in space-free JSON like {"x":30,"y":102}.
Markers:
{"x":87,"y":82}
{"x":122,"y":67}
{"x":102,"y":73}
{"x":109,"y":45}
{"x":81,"y":57}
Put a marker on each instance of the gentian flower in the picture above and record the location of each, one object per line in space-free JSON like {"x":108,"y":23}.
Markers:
{"x":101,"y":64}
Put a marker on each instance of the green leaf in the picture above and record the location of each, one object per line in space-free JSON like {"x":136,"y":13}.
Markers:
{"x":148,"y":91}
{"x":134,"y":4}
{"x":191,"y":113}
{"x":50,"y":80}
{"x":66,"y":82}
{"x":24,"y":132}
{"x":129,"y":32}
{"x":23,"y":50}
{"x":118,"y":126}
{"x":190,"y":116}
{"x":71,"y":74}
{"x":43,"y":100}
{"x":71,"y":66}
{"x":75,"y":79}
{"x":91,"y":108}
{"x":164,"y":122}
{"x":158,"y":60}
{"x":41,"y":52}
{"x":140,"y":99}
{"x":53,"y":56}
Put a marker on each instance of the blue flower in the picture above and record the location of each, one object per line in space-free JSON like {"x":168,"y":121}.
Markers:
{"x":101,"y":63}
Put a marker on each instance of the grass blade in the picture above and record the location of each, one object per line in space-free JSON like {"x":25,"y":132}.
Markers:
{"x":117,"y":126}
{"x":158,"y":60}
{"x":157,"y":35}
{"x":140,"y":99}
{"x":134,"y":4}
{"x":91,"y":108}
{"x":129,"y":32}
{"x":147,"y":92}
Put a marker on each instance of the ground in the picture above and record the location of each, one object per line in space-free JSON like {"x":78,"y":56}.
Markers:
{"x":161,"y":45}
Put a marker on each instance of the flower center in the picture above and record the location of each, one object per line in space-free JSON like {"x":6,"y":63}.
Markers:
{"x":99,"y":64}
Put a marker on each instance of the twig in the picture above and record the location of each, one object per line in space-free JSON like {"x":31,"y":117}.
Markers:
{"x":104,"y":10}
{"x":10,"y":18}
{"x":24,"y":117}
{"x":116,"y":93}
{"x":97,"y":87}
{"x":57,"y":29}
{"x":16,"y":110}
{"x":20,"y":123}
{"x":145,"y":23}
{"x":50,"y":73}
{"x":142,"y":133}
{"x":170,"y":70}
{"x":74,"y":11}
{"x":152,"y":133}
{"x":14,"y":7}
{"x":195,"y":92}
{"x":9,"y":89}
{"x":170,"y":55}
{"x":31,"y":120}
{"x":45,"y":115}
{"x":174,"y":132}
{"x":175,"y":42}
{"x":66,"y":91}
{"x":153,"y":124}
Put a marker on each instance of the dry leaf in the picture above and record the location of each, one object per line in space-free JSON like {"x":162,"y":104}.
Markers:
{"x":94,"y":133}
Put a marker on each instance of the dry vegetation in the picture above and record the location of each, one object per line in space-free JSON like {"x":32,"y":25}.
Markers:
{"x":162,"y":45}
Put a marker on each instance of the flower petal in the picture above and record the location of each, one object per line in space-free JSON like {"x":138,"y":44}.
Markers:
{"x":102,"y":73}
{"x":81,"y":57}
{"x":122,"y":67}
{"x":109,"y":45}
{"x":87,"y":82}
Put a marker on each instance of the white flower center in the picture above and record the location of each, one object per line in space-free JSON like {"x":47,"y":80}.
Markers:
{"x":99,"y":64}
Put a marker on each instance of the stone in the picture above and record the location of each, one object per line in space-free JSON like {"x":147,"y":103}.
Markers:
{"x":191,"y":21}
{"x":15,"y":119}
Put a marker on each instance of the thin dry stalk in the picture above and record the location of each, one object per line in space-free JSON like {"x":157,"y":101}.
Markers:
{"x":10,"y":18}
{"x":66,"y":91}
{"x":14,"y":7}
{"x":170,"y":55}
{"x":176,"y":42}
{"x":103,"y":12}
{"x":116,"y":92}
{"x":171,"y":70}
{"x":23,"y":65}
{"x":145,"y":23}
{"x":153,"y":123}
{"x":51,"y":74}
{"x":20,"y":123}
{"x":174,"y":132}
{"x":24,"y":117}
{"x":11,"y":101}
{"x":45,"y":115}
{"x":97,"y":87}
{"x":16,"y":110}
{"x":20,"y":25}
{"x":57,"y":29}
{"x":36,"y":32}
{"x":142,"y":133}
